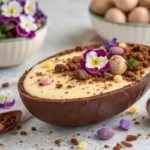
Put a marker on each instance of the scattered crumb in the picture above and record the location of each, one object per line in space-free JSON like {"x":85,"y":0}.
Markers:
{"x":23,"y":133}
{"x":2,"y":145}
{"x":106,"y":146}
{"x":58,"y":141}
{"x":117,"y":147}
{"x":137,"y":123}
{"x":71,"y":147}
{"x":33,"y":128}
{"x":18,"y":127}
{"x":132,"y":137}
{"x":13,"y":133}
{"x":127,"y":144}
{"x":74,"y":141}
{"x":5,"y":85}
{"x":58,"y":86}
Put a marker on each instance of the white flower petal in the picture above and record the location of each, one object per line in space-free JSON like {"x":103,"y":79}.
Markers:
{"x":34,"y":27}
{"x":4,"y":7}
{"x":103,"y":62}
{"x":90,"y":56}
{"x":30,"y":18}
{"x":6,"y":14}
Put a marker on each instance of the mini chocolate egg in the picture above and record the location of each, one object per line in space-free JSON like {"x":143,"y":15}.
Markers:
{"x":115,"y":14}
{"x":101,"y":6}
{"x":126,"y":5}
{"x":115,"y":51}
{"x":139,"y":15}
{"x":118,"y":65}
{"x":145,"y":3}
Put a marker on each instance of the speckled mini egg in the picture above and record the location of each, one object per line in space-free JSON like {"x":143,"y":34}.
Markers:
{"x":118,"y":65}
{"x":126,"y":5}
{"x":139,"y":15}
{"x":116,"y":15}
{"x":145,"y":3}
{"x":100,"y":7}
{"x":115,"y":51}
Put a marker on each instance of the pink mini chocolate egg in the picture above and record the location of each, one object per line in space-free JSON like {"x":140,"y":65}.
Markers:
{"x":101,"y":6}
{"x":139,"y":15}
{"x":126,"y":5}
{"x":115,"y":51}
{"x":145,"y":3}
{"x":116,"y":15}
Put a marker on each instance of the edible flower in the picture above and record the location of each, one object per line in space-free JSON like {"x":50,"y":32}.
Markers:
{"x":111,"y":43}
{"x":11,"y":9}
{"x":125,"y":124}
{"x":30,"y":7}
{"x":6,"y":99}
{"x":44,"y":82}
{"x":27,"y":26}
{"x":95,"y":61}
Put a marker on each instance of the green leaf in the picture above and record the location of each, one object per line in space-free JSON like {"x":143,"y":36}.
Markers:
{"x":2,"y":36}
{"x":133,"y":62}
{"x":5,"y":28}
{"x":1,"y":11}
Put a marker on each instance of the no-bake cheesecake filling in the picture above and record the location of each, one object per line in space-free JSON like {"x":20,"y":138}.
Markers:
{"x":62,"y":86}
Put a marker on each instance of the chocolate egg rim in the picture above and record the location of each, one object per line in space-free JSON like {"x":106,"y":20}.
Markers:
{"x":22,"y":90}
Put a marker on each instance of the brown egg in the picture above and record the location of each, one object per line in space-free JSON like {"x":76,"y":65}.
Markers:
{"x":126,"y":5}
{"x":145,"y":3}
{"x":139,"y":15}
{"x":115,"y":14}
{"x":118,"y":65}
{"x":101,"y":6}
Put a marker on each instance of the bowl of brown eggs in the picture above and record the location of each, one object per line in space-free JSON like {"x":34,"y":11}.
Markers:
{"x":128,"y":20}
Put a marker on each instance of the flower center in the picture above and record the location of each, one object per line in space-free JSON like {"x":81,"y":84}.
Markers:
{"x":29,"y":7}
{"x":5,"y":98}
{"x":95,"y":62}
{"x":11,"y":10}
{"x":27,"y":25}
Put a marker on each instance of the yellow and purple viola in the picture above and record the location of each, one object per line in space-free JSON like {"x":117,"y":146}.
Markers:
{"x":95,"y":60}
{"x":6,"y":99}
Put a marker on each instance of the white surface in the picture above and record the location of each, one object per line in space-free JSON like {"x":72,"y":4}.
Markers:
{"x":68,"y":25}
{"x":128,"y":33}
{"x":13,"y":52}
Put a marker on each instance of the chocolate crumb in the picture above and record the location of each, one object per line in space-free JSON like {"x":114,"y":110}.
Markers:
{"x":60,"y":68}
{"x":106,"y":146}
{"x":71,"y":147}
{"x":117,"y":147}
{"x":81,"y":74}
{"x":58,"y":142}
{"x":74,"y":141}
{"x":5,"y":85}
{"x":137,"y":123}
{"x":2,"y":145}
{"x":18,"y":127}
{"x":127,"y":144}
{"x":23,"y":133}
{"x":33,"y":128}
{"x":132,"y":137}
{"x":58,"y":86}
{"x":143,"y":117}
{"x":13,"y":133}
{"x":69,"y":86}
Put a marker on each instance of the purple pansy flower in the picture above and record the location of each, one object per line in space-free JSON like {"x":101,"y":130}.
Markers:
{"x":95,"y":61}
{"x":6,"y":99}
{"x":111,"y":43}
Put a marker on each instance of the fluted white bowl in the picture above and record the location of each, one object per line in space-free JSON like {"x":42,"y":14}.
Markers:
{"x":127,"y":32}
{"x":16,"y":50}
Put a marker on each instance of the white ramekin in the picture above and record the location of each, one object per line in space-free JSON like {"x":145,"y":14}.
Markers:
{"x":127,"y":32}
{"x":14,"y":51}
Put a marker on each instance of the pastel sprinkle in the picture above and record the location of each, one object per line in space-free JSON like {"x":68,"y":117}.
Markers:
{"x":82,"y":145}
{"x":133,"y":110}
{"x":122,"y":45}
{"x":48,"y":64}
{"x":125,"y":124}
{"x":44,"y":82}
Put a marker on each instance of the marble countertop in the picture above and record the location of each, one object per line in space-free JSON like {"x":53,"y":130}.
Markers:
{"x":69,"y":26}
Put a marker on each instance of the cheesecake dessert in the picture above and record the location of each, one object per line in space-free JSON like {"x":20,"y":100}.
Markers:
{"x":86,"y":84}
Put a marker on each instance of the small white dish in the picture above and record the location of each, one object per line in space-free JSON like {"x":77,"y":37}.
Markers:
{"x":126,"y":32}
{"x":16,"y":50}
